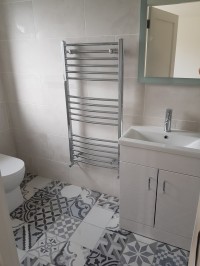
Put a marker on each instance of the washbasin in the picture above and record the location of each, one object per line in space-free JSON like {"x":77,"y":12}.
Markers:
{"x":156,"y":138}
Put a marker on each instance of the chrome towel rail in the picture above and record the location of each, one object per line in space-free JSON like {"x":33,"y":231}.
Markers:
{"x":95,"y":99}
{"x":97,"y":139}
{"x":92,"y":58}
{"x":91,"y":79}
{"x":91,"y":65}
{"x":75,"y":51}
{"x":106,"y":111}
{"x":92,"y":44}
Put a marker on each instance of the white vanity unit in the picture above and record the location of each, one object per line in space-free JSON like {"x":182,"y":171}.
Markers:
{"x":159,"y":183}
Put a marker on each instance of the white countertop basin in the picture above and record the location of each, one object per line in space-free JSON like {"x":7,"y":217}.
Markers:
{"x":155,"y":138}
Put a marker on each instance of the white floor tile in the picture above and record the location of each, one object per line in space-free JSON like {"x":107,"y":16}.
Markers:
{"x":71,"y":191}
{"x":21,"y":254}
{"x":39,"y":182}
{"x":87,"y":235}
{"x":99,"y":217}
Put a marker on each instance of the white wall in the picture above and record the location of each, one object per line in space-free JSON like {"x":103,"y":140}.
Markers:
{"x":31,"y":70}
{"x":7,"y":145}
{"x":187,"y":49}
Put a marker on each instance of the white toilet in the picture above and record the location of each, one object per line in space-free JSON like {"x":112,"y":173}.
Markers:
{"x":12,"y":172}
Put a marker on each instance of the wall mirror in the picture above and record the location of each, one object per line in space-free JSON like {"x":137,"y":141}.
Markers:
{"x":169,"y":42}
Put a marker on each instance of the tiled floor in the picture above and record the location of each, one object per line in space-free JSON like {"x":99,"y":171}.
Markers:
{"x":65,"y":225}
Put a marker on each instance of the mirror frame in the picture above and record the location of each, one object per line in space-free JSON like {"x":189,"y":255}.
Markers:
{"x":142,"y":47}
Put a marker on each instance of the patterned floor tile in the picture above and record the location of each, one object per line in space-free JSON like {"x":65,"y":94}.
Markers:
{"x":114,"y":226}
{"x":111,"y":244}
{"x":72,"y":254}
{"x":26,"y":236}
{"x":52,"y":187}
{"x":71,"y":191}
{"x":39,"y":182}
{"x":79,"y":209}
{"x":108,"y":202}
{"x":16,"y":224}
{"x":47,"y":215}
{"x":137,"y":253}
{"x":27,"y":178}
{"x":170,"y":256}
{"x":62,"y":185}
{"x":41,"y":197}
{"x":28,"y":192}
{"x":98,"y":259}
{"x":64,"y":226}
{"x":89,"y":196}
{"x":21,"y":254}
{"x":30,"y":260}
{"x":47,"y":247}
{"x":25,"y":211}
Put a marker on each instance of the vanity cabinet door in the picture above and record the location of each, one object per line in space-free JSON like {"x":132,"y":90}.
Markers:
{"x":177,"y":201}
{"x":138,"y":192}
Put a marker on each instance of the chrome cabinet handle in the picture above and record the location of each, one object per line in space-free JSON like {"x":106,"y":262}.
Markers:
{"x":197,"y":249}
{"x":164,"y":184}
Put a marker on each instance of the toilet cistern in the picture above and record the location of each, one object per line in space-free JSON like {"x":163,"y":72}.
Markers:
{"x":168,"y":120}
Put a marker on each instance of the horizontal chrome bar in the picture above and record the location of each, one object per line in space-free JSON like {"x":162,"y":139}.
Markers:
{"x":90,"y":65}
{"x":92,"y":58}
{"x":94,"y":160}
{"x":105,"y":140}
{"x":92,"y":98}
{"x":91,"y":104}
{"x":94,"y":111}
{"x":94,"y":144}
{"x":97,"y":123}
{"x":96,"y":155}
{"x":92,"y":72}
{"x":75,"y":51}
{"x":104,"y":166}
{"x":87,"y":148}
{"x":94,"y":116}
{"x":92,"y":44}
{"x":91,"y":79}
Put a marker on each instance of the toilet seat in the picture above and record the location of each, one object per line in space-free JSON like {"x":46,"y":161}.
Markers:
{"x":10,"y":165}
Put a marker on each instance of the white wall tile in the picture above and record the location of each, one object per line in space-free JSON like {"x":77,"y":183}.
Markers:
{"x":58,"y":148}
{"x":16,"y":21}
{"x":96,"y":178}
{"x":131,"y":51}
{"x":26,"y":157}
{"x":112,"y":17}
{"x":4,"y":124}
{"x":183,"y":100}
{"x":130,"y":120}
{"x":11,"y":1}
{"x":133,"y":97}
{"x":19,"y":56}
{"x":2,"y":94}
{"x":58,"y":18}
{"x":29,"y":118}
{"x":51,"y":169}
{"x":23,"y":88}
{"x":7,"y":145}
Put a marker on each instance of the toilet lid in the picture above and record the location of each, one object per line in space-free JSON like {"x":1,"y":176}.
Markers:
{"x":10,"y":165}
